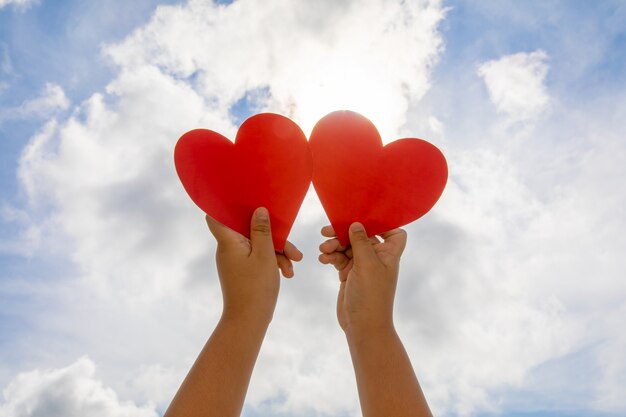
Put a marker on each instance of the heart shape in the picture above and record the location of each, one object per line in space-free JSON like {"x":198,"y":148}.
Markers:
{"x":357,"y":179}
{"x":269,"y":165}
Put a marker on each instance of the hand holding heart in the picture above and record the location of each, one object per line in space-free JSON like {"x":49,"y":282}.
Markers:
{"x":368,"y":275}
{"x":252,"y":190}
{"x":271,"y":165}
{"x":248,"y":268}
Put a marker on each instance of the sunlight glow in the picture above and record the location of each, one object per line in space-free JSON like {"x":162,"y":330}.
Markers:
{"x":340,"y":84}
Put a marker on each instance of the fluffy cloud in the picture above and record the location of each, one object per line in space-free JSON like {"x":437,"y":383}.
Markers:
{"x":66,"y":392}
{"x":51,"y":100}
{"x":516,"y":84}
{"x":485,"y":295}
{"x":123,"y":218}
{"x":302,"y":52}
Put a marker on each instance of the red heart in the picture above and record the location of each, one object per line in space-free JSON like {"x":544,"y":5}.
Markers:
{"x":357,"y":179}
{"x":269,"y":165}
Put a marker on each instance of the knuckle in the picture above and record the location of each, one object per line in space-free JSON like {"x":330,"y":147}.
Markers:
{"x":261,"y":229}
{"x":404,"y":237}
{"x":361,"y":237}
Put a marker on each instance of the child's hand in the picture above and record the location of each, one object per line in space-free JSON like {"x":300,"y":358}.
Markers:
{"x":248,"y":268}
{"x":368,"y":274}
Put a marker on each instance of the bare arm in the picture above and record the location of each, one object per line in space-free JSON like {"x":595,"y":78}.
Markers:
{"x":217,"y":383}
{"x":368,"y":274}
{"x":385,"y":378}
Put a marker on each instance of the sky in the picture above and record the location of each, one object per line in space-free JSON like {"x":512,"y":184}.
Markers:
{"x":512,"y":290}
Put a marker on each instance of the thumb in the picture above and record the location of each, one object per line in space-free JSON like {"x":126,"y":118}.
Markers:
{"x":362,"y":248}
{"x":261,"y":232}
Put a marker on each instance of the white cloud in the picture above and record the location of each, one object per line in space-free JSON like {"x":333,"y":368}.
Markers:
{"x":301,"y":51}
{"x":531,"y":251}
{"x":19,"y":4}
{"x":113,"y":159}
{"x":138,"y":240}
{"x":72,"y":391}
{"x":51,"y":100}
{"x":490,"y":286}
{"x":516,"y":84}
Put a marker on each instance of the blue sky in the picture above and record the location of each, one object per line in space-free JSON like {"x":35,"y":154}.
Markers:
{"x":58,"y":42}
{"x":526,"y":240}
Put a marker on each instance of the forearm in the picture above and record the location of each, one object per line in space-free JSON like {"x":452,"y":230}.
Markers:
{"x":217,"y":383}
{"x":386,"y":381}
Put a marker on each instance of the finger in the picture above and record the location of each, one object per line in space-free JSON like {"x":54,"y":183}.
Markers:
{"x":343,"y":274}
{"x":374,"y":241}
{"x":223,"y":234}
{"x":328,"y":231}
{"x":291,"y":252}
{"x":336,"y":259}
{"x":395,"y":240}
{"x":285,"y":265}
{"x":261,"y":233}
{"x":392,"y":233}
{"x":362,"y":247}
{"x":331,"y":245}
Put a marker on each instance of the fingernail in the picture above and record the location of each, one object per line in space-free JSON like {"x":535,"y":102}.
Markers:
{"x":262,"y":214}
{"x":357,"y":227}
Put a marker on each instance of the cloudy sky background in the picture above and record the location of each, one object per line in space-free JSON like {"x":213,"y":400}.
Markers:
{"x":512,"y":293}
